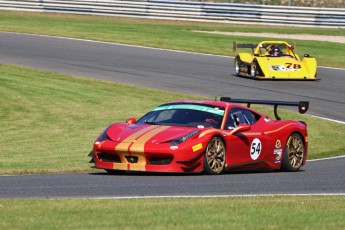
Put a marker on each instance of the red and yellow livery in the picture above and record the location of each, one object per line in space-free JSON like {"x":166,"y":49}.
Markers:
{"x":203,"y":136}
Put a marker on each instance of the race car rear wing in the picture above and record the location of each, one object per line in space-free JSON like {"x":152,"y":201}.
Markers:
{"x":235,"y":46}
{"x":303,"y":106}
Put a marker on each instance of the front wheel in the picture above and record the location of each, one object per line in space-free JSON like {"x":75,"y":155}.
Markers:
{"x":237,"y":66}
{"x":254,"y":69}
{"x":294,"y":153}
{"x":214,"y":160}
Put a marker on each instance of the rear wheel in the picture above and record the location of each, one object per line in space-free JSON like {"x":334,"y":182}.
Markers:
{"x":214,"y":160}
{"x":293,"y":154}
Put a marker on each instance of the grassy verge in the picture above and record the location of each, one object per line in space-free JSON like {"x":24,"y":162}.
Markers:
{"x":278,"y":212}
{"x":49,"y":121}
{"x":167,"y":34}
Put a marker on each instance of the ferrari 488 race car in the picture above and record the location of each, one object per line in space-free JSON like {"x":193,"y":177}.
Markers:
{"x":204,"y":136}
{"x":274,"y":60}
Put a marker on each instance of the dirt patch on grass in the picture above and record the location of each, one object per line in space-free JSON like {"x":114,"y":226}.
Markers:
{"x":312,"y":37}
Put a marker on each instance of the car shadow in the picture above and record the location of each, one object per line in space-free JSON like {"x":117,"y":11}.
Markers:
{"x":228,"y":172}
{"x":275,"y":79}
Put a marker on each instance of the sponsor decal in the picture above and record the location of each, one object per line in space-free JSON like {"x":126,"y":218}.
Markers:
{"x":213,"y":110}
{"x":286,"y":67}
{"x":278,"y":155}
{"x":197,"y":147}
{"x":255,"y":149}
{"x":278,"y":151}
{"x":173,"y":147}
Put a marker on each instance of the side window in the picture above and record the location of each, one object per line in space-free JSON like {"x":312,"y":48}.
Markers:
{"x":233,"y":119}
{"x":240,"y":116}
{"x":249,"y":117}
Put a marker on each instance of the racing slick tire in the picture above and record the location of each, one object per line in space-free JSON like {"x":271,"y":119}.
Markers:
{"x":254,"y":69}
{"x":237,"y":64}
{"x":214,"y":159}
{"x":293,"y":154}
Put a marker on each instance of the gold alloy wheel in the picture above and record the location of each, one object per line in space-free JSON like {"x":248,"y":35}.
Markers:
{"x":215,"y":156}
{"x":295,"y":151}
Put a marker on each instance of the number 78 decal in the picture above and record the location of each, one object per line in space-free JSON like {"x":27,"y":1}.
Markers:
{"x":293,"y":66}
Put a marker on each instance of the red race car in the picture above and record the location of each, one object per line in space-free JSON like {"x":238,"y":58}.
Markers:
{"x":204,"y":136}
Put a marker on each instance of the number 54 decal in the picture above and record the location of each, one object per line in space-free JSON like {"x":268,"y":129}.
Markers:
{"x":293,"y":66}
{"x":255,"y":149}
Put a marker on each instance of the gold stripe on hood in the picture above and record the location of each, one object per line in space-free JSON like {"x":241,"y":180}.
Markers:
{"x":124,"y":145}
{"x":138,"y":145}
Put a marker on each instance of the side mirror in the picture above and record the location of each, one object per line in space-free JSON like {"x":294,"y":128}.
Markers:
{"x":131,"y":120}
{"x":306,"y":55}
{"x":241,"y":128}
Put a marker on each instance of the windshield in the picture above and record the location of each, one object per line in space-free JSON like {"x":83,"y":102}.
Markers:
{"x":193,"y":115}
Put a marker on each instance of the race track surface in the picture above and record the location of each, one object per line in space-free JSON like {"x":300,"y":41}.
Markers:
{"x":190,"y":73}
{"x":204,"y":75}
{"x":317,"y":177}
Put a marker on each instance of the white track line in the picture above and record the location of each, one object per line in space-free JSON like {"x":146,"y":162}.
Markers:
{"x":216,"y":196}
{"x":328,"y":119}
{"x":327,"y":158}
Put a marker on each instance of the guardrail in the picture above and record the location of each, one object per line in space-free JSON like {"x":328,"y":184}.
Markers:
{"x":193,"y":11}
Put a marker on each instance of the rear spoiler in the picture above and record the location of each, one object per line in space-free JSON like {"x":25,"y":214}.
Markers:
{"x":235,"y":46}
{"x":303,"y":106}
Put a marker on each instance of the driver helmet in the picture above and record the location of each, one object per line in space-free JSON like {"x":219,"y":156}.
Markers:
{"x":276,"y":51}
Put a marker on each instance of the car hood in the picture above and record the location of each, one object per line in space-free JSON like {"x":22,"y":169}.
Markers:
{"x":125,"y":133}
{"x":284,"y":67}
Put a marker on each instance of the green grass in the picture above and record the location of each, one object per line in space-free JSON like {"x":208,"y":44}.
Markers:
{"x":48,"y":121}
{"x":273,"y":212}
{"x":167,"y":34}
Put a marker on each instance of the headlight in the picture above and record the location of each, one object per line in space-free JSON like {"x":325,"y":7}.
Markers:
{"x":180,"y":140}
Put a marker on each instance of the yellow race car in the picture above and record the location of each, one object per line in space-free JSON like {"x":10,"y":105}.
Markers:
{"x":274,"y":60}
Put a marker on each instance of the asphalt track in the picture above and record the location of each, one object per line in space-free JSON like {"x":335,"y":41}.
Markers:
{"x":190,"y":73}
{"x":317,"y":177}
